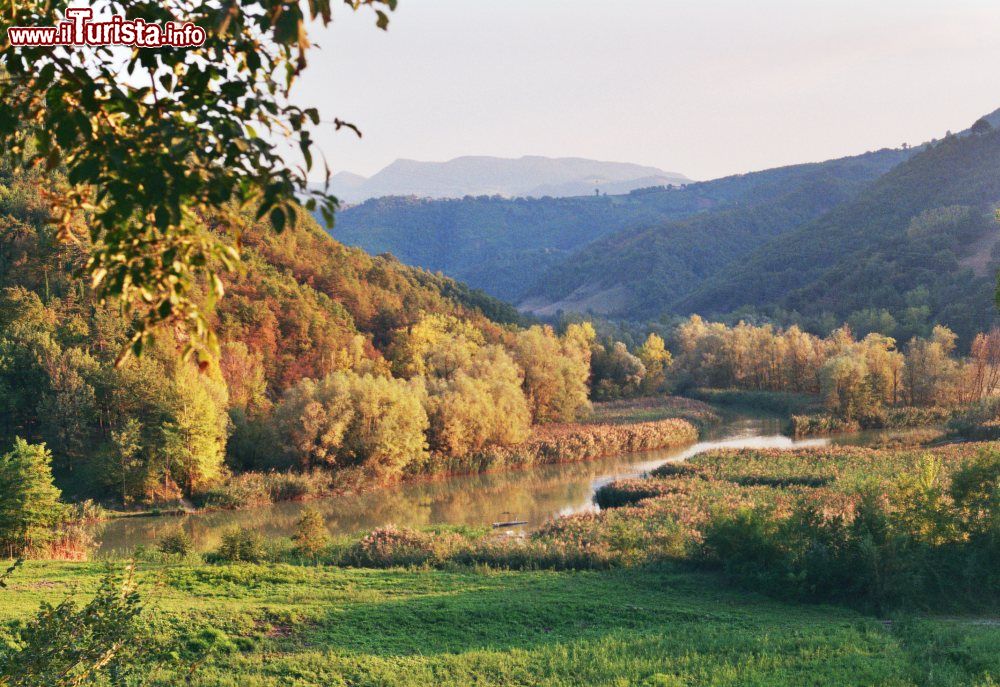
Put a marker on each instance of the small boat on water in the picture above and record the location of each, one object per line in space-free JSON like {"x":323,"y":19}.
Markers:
{"x":509,"y":522}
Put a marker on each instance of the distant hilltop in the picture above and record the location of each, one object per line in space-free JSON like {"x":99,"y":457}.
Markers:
{"x":529,"y":176}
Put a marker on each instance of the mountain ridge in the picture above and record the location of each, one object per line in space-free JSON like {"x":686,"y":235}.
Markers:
{"x":478,"y":175}
{"x":503,"y":246}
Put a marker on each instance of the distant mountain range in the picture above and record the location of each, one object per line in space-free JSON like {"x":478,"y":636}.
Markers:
{"x":514,"y":248}
{"x":910,"y":232}
{"x":526,"y":177}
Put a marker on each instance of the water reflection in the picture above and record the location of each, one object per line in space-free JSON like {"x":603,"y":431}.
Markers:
{"x":534,"y":495}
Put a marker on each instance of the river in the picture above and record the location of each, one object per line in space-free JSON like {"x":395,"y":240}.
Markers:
{"x":533,"y":495}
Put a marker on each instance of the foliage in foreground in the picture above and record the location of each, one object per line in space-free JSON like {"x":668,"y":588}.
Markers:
{"x":105,"y":641}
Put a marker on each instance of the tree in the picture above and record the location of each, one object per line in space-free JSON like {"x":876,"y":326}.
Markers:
{"x":932,"y":376}
{"x":844,"y":387}
{"x":243,"y":371}
{"x":436,"y":346}
{"x":657,"y":360}
{"x":29,"y":502}
{"x":195,"y":433}
{"x":480,"y":405}
{"x":555,"y":374}
{"x":346,"y":419}
{"x":982,"y":126}
{"x":126,"y":446}
{"x":983,"y":372}
{"x":615,"y":372}
{"x":153,"y":147}
{"x":311,"y":535}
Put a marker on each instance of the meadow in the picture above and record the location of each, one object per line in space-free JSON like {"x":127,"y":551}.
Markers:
{"x":295,"y":626}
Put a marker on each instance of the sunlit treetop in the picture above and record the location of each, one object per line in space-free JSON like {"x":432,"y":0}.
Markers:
{"x":155,"y":144}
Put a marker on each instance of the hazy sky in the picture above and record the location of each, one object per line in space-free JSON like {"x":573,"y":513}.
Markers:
{"x":702,"y":87}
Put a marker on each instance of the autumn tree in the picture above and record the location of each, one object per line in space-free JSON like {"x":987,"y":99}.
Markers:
{"x":932,"y":375}
{"x":343,"y":420}
{"x":615,"y":373}
{"x":982,"y":375}
{"x":844,"y":386}
{"x":196,"y":428}
{"x":479,"y":405}
{"x":657,"y":360}
{"x":435,"y":346}
{"x":555,"y":374}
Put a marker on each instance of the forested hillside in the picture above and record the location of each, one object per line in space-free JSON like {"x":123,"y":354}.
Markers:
{"x":634,"y":273}
{"x":919,"y":244}
{"x":302,"y":308}
{"x":504,"y":246}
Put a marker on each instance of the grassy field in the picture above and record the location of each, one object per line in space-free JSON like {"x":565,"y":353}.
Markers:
{"x":295,"y":626}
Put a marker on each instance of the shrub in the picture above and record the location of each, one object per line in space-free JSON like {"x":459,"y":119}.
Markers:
{"x":241,"y":545}
{"x":262,"y":489}
{"x":978,"y":421}
{"x":240,"y":491}
{"x":819,"y":424}
{"x":177,"y":542}
{"x":311,"y":535}
{"x":104,"y":642}
{"x":390,"y":546}
{"x":572,"y":442}
{"x":631,"y":491}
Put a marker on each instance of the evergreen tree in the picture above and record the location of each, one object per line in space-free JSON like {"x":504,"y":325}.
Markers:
{"x":29,"y":501}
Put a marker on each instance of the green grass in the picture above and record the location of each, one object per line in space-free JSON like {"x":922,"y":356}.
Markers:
{"x":297,"y":626}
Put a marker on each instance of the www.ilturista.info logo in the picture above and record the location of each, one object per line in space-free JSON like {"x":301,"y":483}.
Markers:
{"x":78,"y":29}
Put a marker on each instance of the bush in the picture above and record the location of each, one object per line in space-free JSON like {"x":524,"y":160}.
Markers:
{"x":572,"y":442}
{"x":820,"y":424}
{"x":240,"y":491}
{"x":631,"y":491}
{"x":390,"y":546}
{"x":311,"y":535}
{"x":107,"y":641}
{"x":978,"y":421}
{"x":241,"y":545}
{"x":178,"y":542}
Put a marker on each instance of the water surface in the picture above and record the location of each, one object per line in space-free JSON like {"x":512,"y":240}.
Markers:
{"x":534,"y":495}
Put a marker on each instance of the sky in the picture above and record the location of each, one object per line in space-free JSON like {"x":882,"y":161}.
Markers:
{"x":701,"y":87}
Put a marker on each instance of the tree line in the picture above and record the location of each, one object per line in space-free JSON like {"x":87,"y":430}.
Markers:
{"x":857,"y":379}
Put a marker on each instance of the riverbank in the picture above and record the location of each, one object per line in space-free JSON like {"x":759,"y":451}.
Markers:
{"x":778,"y":402}
{"x":616,"y":427}
{"x":271,"y":625}
{"x":805,"y":416}
{"x":822,"y":424}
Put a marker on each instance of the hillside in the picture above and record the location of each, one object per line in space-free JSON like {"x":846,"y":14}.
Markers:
{"x":300,"y":301}
{"x":529,"y":176}
{"x":303,"y":306}
{"x":918,"y":243}
{"x":504,"y":246}
{"x":633,"y":273}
